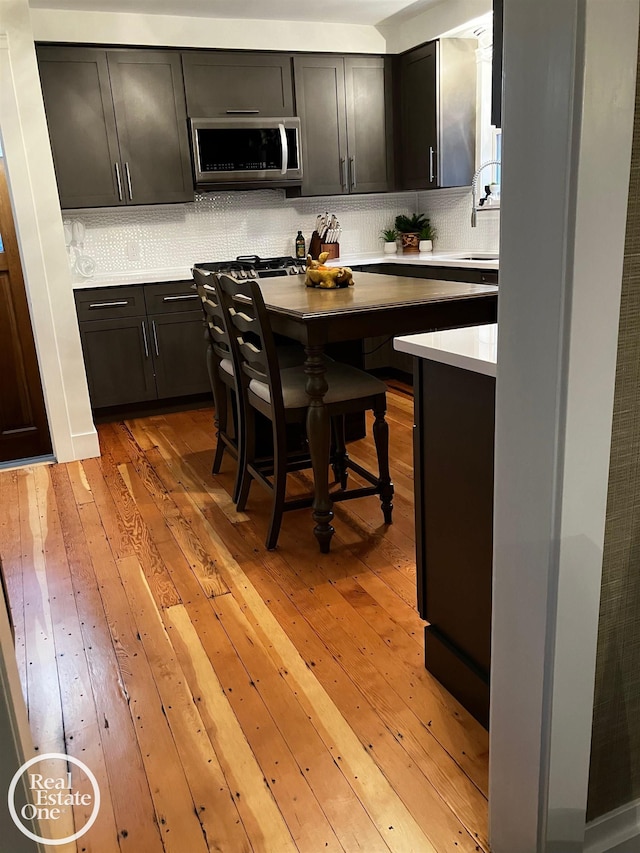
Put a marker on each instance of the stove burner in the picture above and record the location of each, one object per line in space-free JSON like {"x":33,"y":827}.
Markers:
{"x":253,"y":266}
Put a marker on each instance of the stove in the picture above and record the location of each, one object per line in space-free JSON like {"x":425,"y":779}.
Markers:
{"x":252,"y":266}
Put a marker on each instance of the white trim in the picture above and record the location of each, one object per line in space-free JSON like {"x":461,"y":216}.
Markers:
{"x":567,"y":149}
{"x":38,"y":221}
{"x":84,"y":444}
{"x":615,"y":832}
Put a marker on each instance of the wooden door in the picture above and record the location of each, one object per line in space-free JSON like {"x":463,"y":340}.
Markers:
{"x":180,"y":354}
{"x":24,"y":430}
{"x":82,"y":126}
{"x":226,"y":82}
{"x":151,"y":119}
{"x":418,"y":157}
{"x":320,"y":98}
{"x":369,"y":125}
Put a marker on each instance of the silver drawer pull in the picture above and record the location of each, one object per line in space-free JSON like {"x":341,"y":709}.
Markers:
{"x":155,"y":337}
{"x":144,"y":337}
{"x":180,"y":298}
{"x":109,"y":304}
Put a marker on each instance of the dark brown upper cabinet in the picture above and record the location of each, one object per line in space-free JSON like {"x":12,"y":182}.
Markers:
{"x":228,"y":83}
{"x":436,"y":88}
{"x":344,"y":107}
{"x":117,"y":125}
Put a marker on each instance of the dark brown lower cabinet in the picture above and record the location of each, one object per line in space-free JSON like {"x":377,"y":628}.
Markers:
{"x":453,"y":452}
{"x":133,"y":356}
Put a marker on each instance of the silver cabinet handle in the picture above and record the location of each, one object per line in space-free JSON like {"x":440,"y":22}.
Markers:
{"x":128,"y":174}
{"x":431,"y":170}
{"x":285,"y":149}
{"x":352,"y":168}
{"x":242,"y":112}
{"x":144,"y":338}
{"x":117,"y":167}
{"x":180,"y":298}
{"x":155,"y":337}
{"x":343,"y":169}
{"x":108,"y":304}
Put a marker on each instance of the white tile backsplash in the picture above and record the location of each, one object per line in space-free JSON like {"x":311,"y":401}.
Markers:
{"x":450,"y":211}
{"x":220,"y":226}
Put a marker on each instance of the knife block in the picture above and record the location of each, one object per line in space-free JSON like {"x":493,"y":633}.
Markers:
{"x":332,"y":248}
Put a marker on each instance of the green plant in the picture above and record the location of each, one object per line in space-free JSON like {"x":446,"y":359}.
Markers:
{"x":428,"y":232}
{"x":389,"y":235}
{"x":411,"y":224}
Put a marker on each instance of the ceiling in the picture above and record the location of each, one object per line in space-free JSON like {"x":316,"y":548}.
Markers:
{"x":368,"y":12}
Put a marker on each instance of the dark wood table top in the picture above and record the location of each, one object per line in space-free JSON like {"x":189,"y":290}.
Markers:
{"x":371,"y":292}
{"x":377,"y":304}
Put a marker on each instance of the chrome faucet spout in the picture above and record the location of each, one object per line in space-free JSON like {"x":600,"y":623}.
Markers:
{"x":474,"y":189}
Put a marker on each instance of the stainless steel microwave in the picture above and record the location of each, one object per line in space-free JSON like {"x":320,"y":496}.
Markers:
{"x":246,"y":151}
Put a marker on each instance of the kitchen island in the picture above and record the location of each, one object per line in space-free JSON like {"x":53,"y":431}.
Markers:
{"x":454,"y":394}
{"x":378,"y":304}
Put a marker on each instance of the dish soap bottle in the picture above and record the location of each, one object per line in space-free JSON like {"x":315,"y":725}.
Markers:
{"x":300,"y":247}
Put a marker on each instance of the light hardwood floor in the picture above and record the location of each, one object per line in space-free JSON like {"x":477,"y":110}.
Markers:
{"x":227,"y":698}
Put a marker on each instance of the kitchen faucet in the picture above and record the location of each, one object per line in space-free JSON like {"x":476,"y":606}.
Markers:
{"x":474,"y":188}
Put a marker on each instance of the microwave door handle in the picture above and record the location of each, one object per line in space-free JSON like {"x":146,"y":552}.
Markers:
{"x":285,"y":149}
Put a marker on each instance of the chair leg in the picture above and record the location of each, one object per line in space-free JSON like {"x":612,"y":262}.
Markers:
{"x":220,"y":420}
{"x":239,"y":433}
{"x":381,"y":439}
{"x":279,"y":487}
{"x":340,"y":455}
{"x":245,"y":458}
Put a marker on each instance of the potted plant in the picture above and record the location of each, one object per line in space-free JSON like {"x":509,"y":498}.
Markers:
{"x":427,"y":236}
{"x":410,"y":228}
{"x":390,"y":235}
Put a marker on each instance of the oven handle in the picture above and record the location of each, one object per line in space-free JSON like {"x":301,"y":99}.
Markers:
{"x":285,"y":149}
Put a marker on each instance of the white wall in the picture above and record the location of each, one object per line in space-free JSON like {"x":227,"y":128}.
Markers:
{"x":402,"y":33}
{"x":179,"y":31}
{"x":38,"y":220}
{"x":450,"y":213}
{"x":569,"y":70}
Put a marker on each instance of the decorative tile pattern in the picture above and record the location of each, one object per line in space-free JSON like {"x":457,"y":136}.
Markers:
{"x":220,"y":226}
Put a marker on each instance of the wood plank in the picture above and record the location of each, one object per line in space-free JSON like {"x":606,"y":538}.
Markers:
{"x":82,"y":731}
{"x":129,"y":792}
{"x":323,"y":773}
{"x":174,"y":805}
{"x":214,"y":801}
{"x":43,"y":687}
{"x":260,"y":815}
{"x":11,"y":556}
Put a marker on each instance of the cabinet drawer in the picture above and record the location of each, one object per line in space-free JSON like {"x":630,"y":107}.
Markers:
{"x":110,"y":303}
{"x":171,"y":296}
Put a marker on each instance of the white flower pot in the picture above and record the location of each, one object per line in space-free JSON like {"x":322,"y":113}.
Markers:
{"x":426,"y":245}
{"x":390,"y":248}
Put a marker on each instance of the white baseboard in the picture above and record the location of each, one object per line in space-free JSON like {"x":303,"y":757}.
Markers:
{"x":615,"y":832}
{"x":85,"y":446}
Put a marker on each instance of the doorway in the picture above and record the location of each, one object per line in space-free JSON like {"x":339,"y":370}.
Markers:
{"x":24,"y":430}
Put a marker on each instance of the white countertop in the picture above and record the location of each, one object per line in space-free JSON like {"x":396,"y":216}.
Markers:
{"x":472,"y":348}
{"x":482,"y":260}
{"x":148,"y":277}
{"x":444,"y":259}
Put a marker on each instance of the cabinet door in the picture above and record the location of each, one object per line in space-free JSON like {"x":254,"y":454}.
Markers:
{"x":179,"y":350}
{"x":82,"y":126}
{"x":417,"y":161}
{"x":219,"y":83}
{"x":320,"y":99}
{"x":117,"y":356}
{"x":151,"y":120}
{"x":369,"y":125}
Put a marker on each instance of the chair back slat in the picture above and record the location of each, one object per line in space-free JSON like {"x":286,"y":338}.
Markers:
{"x":252,"y":336}
{"x":213,"y":313}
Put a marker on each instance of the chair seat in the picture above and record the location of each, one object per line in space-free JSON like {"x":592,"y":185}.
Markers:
{"x":345,"y":383}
